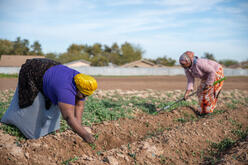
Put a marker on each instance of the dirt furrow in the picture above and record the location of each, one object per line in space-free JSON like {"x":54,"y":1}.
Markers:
{"x":186,"y":144}
{"x":177,"y":137}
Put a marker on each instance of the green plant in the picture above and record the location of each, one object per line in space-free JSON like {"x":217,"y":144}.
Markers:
{"x":3,"y":107}
{"x":189,"y":117}
{"x":63,"y":125}
{"x":5,"y":102}
{"x":202,"y":153}
{"x":160,"y":130}
{"x":12,"y":130}
{"x":235,"y":101}
{"x":242,"y":134}
{"x":194,"y":102}
{"x":180,"y":104}
{"x":181,"y":120}
{"x":246,"y":99}
{"x":146,"y":105}
{"x":149,"y":135}
{"x":67,"y":162}
{"x":9,"y":129}
{"x":97,"y":110}
{"x":231,"y":106}
{"x":132,"y":155}
{"x":193,"y":153}
{"x":235,"y":123}
{"x":99,"y":153}
{"x":216,"y":112}
{"x":93,"y":146}
{"x":217,"y":148}
{"x":96,"y":136}
{"x":128,"y":146}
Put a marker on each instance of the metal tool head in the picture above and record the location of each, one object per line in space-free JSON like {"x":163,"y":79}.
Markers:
{"x":168,"y":106}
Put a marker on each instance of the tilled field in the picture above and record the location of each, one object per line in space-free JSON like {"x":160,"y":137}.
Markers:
{"x":138,"y":136}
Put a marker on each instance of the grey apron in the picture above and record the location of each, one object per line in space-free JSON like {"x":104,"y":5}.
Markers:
{"x":33,"y":121}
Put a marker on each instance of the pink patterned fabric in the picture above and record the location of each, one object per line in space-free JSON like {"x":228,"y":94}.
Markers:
{"x":204,"y":69}
{"x":208,"y":98}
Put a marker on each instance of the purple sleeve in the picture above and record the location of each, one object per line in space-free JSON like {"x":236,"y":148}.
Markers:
{"x":190,"y":79}
{"x":209,"y":70}
{"x":66,"y":96}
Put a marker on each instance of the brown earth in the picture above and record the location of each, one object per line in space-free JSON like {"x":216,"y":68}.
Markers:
{"x":144,"y":139}
{"x":143,"y":82}
{"x":127,"y":141}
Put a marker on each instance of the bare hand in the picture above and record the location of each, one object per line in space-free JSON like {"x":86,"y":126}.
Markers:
{"x":186,"y":94}
{"x":89,"y":138}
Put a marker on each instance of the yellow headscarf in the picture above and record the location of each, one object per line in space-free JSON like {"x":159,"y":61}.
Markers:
{"x":85,"y":84}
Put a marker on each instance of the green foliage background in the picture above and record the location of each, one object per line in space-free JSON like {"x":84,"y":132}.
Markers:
{"x":97,"y":54}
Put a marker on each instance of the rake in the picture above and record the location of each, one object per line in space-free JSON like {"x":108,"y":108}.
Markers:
{"x":192,"y":94}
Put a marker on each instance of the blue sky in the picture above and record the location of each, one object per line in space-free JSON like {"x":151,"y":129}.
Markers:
{"x":159,"y":27}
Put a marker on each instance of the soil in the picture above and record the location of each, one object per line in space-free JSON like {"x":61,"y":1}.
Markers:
{"x":143,"y":82}
{"x":146,"y":138}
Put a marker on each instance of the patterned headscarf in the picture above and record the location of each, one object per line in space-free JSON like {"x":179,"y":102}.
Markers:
{"x":85,"y":84}
{"x":186,"y":57}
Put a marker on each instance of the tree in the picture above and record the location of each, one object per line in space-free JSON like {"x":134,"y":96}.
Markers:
{"x":99,"y":61}
{"x":75,"y":52}
{"x":36,"y":49}
{"x":115,"y":48}
{"x":165,"y":61}
{"x":20,"y":47}
{"x":107,"y":49}
{"x":67,"y":57}
{"x":209,"y":56}
{"x":51,"y":56}
{"x":76,"y":49}
{"x":96,"y":49}
{"x":228,"y":62}
{"x":6,"y":47}
{"x":114,"y":57}
{"x":130,"y":53}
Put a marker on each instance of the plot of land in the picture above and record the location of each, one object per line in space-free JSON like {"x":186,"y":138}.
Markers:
{"x":143,"y":82}
{"x":127,"y":131}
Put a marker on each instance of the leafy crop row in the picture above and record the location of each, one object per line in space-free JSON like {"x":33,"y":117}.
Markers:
{"x":114,"y":107}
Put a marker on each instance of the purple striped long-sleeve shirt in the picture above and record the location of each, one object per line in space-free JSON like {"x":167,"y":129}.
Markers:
{"x":204,"y":69}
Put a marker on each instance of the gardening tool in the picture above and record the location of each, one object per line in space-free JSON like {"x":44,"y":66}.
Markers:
{"x":192,"y":94}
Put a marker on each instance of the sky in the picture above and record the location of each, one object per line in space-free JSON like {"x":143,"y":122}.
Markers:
{"x":159,"y":27}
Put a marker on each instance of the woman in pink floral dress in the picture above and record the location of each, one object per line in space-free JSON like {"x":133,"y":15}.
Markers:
{"x":209,"y":72}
